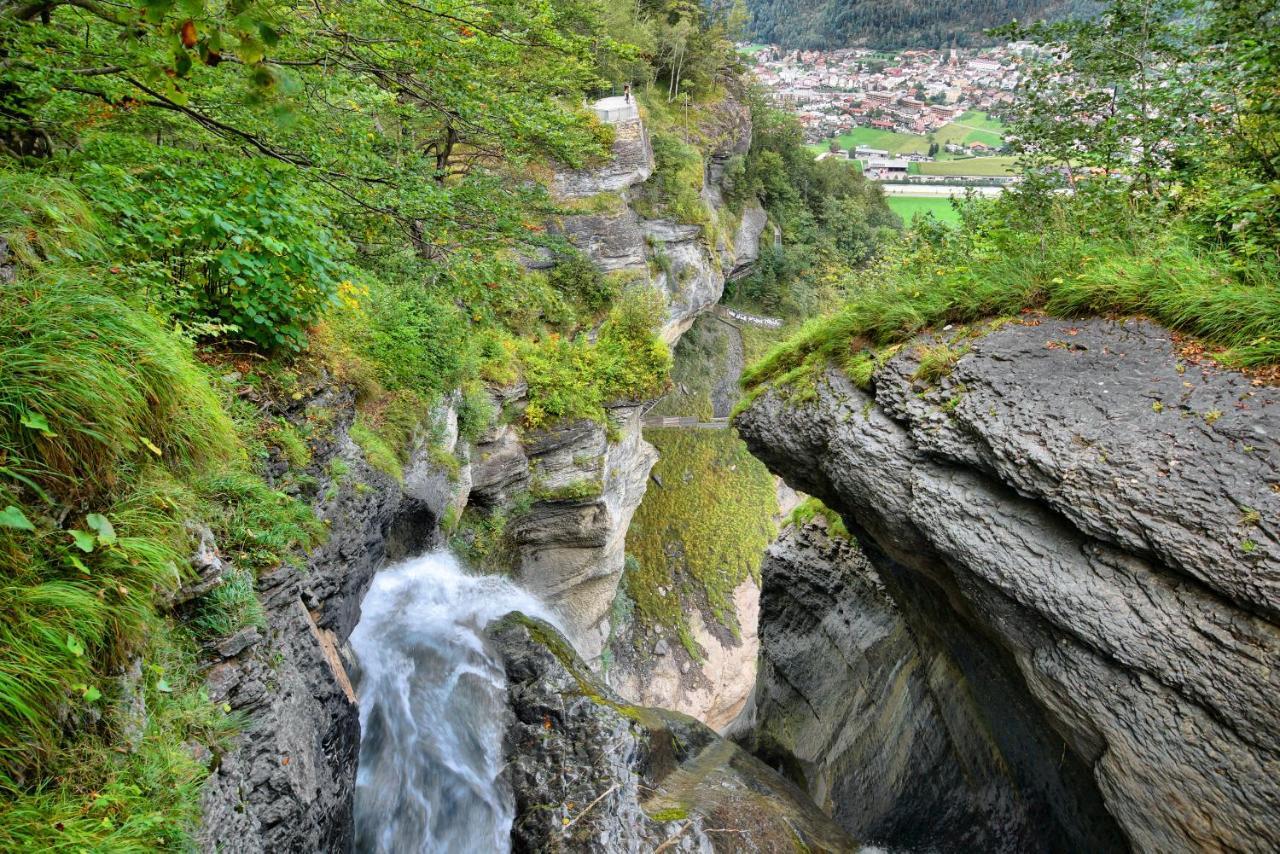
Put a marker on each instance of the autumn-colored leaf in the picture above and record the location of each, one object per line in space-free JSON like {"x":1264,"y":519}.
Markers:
{"x":188,"y":34}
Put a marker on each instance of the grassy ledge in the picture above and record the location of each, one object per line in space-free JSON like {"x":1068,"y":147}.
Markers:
{"x":1104,"y":258}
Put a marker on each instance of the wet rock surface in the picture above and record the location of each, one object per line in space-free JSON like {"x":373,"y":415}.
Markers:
{"x":1098,"y":516}
{"x":896,"y":722}
{"x":287,"y":783}
{"x":591,"y":773}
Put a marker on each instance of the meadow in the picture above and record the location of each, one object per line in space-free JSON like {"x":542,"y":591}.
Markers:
{"x":909,"y":207}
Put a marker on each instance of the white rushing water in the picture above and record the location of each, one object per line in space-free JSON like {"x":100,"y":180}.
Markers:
{"x":432,"y":710}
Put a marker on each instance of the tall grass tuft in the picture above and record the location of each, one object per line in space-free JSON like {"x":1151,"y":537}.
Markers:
{"x":1074,"y":260}
{"x":88,"y":384}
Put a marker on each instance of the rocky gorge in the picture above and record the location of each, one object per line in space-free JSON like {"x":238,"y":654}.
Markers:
{"x":1054,"y":626}
{"x":288,"y":782}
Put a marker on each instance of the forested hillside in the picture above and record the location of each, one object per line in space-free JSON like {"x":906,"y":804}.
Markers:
{"x":826,"y":24}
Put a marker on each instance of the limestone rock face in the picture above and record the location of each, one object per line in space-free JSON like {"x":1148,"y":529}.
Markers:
{"x":746,"y":240}
{"x":591,"y":773}
{"x":681,"y":259}
{"x":713,"y":690}
{"x":571,"y":542}
{"x":630,"y":162}
{"x":287,"y":783}
{"x":867,"y":704}
{"x":690,"y":275}
{"x":1098,"y":517}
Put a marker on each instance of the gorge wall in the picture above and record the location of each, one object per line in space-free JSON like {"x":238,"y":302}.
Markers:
{"x":571,"y":490}
{"x":1071,"y":560}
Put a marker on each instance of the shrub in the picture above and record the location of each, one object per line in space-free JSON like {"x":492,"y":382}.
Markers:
{"x":418,"y":338}
{"x":238,"y":242}
{"x":578,"y":278}
{"x":575,"y":378}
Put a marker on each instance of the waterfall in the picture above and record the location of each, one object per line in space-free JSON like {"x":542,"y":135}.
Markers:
{"x":432,"y":710}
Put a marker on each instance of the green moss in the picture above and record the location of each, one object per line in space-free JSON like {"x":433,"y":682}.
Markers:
{"x":670,"y":814}
{"x":700,"y":533}
{"x":576,"y":490}
{"x":812,"y":508}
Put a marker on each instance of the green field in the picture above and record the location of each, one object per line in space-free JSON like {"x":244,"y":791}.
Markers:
{"x":886,"y":140}
{"x":972,"y":127}
{"x":982,"y":167}
{"x":969,"y":127}
{"x":909,"y":207}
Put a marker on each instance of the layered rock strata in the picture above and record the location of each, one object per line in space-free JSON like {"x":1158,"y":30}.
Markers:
{"x":1093,"y":520}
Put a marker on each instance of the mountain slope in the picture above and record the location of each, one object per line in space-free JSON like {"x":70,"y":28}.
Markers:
{"x":824,"y":24}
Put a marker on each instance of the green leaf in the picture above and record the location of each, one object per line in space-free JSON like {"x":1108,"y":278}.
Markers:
{"x":163,"y":687}
{"x":269,"y":36}
{"x":191,"y":8}
{"x":78,"y":564}
{"x":74,"y":646}
{"x":12,"y":517}
{"x":83,"y":539}
{"x":155,"y":10}
{"x":99,"y":523}
{"x":36,"y":421}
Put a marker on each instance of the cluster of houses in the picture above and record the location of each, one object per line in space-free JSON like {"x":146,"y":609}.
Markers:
{"x":914,"y":91}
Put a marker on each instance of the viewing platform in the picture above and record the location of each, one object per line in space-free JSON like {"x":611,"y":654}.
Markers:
{"x":616,"y":110}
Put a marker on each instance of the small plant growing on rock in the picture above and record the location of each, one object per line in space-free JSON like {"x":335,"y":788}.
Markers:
{"x":937,"y":362}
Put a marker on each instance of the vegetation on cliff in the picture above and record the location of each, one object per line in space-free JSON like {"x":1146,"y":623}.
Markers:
{"x":205,"y":203}
{"x":1172,"y":215}
{"x":700,"y":532}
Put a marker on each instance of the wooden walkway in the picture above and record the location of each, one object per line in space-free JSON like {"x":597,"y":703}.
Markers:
{"x":737,"y":316}
{"x":687,"y":421}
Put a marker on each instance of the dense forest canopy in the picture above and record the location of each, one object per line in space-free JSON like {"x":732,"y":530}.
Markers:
{"x":888,"y":24}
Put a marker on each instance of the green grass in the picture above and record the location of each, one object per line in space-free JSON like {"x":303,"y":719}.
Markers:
{"x":702,"y":532}
{"x":1101,"y":259}
{"x":978,"y":119}
{"x":112,"y":437}
{"x":971,"y":127}
{"x":909,"y":207}
{"x":974,"y":166}
{"x":888,"y":140}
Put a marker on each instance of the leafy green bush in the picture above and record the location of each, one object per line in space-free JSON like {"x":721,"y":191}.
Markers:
{"x":417,"y":338}
{"x":575,"y":378}
{"x":234,"y":241}
{"x":675,"y":188}
{"x":575,"y":276}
